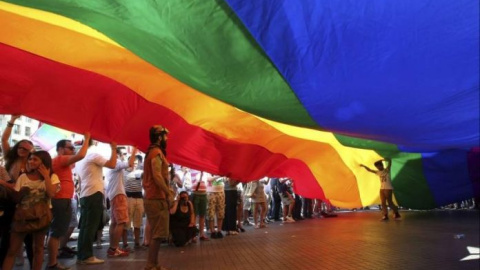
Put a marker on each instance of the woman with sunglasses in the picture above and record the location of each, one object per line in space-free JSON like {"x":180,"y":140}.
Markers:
{"x":16,"y":156}
{"x":16,"y":164}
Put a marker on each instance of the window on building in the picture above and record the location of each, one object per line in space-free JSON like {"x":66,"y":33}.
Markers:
{"x":28,"y":131}
{"x":16,"y":129}
{"x":28,"y":119}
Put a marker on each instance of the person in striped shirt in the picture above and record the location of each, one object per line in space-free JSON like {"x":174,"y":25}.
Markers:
{"x":133,"y":188}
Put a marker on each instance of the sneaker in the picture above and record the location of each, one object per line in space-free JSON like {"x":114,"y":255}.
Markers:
{"x":219,"y":235}
{"x":116,"y":253}
{"x":57,"y":266}
{"x":91,"y":260}
{"x":213,"y":235}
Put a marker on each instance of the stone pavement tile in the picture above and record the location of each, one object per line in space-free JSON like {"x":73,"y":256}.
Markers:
{"x":353,"y":240}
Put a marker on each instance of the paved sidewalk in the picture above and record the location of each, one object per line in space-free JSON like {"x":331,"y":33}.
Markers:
{"x":353,"y":240}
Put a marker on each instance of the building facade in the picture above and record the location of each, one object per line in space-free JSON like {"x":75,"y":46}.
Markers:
{"x":23,"y":129}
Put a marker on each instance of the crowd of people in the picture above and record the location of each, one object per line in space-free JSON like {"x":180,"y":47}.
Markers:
{"x":181,"y":205}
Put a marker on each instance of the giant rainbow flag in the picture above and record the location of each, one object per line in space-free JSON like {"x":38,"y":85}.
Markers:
{"x":306,"y":89}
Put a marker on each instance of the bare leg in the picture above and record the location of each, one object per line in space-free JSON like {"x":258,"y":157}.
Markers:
{"x":53,"y":244}
{"x":383,"y":198}
{"x":125,"y":236}
{"x":136,"y":236}
{"x":255,"y":214}
{"x":391,"y":204}
{"x":219,"y":223}
{"x":211,"y":226}
{"x":153,"y":249}
{"x":16,"y":243}
{"x":64,"y":240}
{"x":239,"y":215}
{"x":38,"y":240}
{"x":146,"y":234}
{"x":290,"y":208}
{"x":263,"y":212}
{"x":201,"y":225}
{"x":245,"y":215}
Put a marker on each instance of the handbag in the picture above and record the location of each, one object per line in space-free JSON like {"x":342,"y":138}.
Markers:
{"x":37,"y":217}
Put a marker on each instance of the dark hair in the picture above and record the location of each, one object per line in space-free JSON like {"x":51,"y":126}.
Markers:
{"x":119,"y":149}
{"x":156,"y":131}
{"x":46,"y":159}
{"x":12,"y":155}
{"x":378,"y":163}
{"x":181,"y":192}
{"x":62,"y":143}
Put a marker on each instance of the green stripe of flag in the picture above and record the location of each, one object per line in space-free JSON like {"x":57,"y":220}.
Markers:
{"x":411,"y":188}
{"x":201,"y":43}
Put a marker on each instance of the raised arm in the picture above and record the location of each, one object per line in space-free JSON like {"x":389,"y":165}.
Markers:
{"x":112,"y":162}
{"x":368,"y":169}
{"x":81,"y":153}
{"x":50,"y":188}
{"x":389,"y":161}
{"x":132,"y":158}
{"x":267,"y":181}
{"x":6,"y":134}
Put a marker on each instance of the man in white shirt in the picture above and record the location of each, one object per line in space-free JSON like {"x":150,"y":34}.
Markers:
{"x":90,"y":174}
{"x":118,"y":201}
